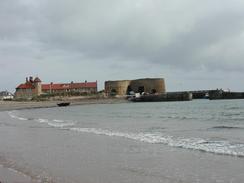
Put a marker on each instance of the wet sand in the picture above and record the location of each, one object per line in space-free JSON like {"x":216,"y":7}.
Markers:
{"x":65,"y":157}
{"x":109,"y":143}
{"x":8,"y":175}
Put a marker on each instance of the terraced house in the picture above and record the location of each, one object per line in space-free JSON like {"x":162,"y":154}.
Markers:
{"x":34,"y":87}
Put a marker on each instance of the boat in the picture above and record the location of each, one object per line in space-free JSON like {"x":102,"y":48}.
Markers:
{"x":63,"y":104}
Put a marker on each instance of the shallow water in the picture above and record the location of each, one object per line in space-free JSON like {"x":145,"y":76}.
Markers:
{"x":197,"y":141}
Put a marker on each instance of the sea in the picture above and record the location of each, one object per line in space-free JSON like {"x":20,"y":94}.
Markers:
{"x":197,"y":141}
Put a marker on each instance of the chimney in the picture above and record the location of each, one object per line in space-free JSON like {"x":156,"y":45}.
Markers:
{"x":31,"y":79}
{"x":26,"y":80}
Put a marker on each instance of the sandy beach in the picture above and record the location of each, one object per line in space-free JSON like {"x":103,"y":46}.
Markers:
{"x":15,"y":105}
{"x":122,"y":142}
{"x":8,"y":175}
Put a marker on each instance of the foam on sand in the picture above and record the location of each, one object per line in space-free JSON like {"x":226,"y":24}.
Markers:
{"x":57,"y":123}
{"x":16,"y":117}
{"x":205,"y":145}
{"x":217,"y":147}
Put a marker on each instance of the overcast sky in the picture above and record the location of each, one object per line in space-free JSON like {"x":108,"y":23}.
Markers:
{"x":192,"y":44}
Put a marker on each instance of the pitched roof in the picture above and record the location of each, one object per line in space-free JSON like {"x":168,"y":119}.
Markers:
{"x":58,"y":86}
{"x":25,"y":86}
{"x":63,"y":86}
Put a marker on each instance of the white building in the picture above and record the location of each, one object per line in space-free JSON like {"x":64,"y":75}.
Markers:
{"x":5,"y":95}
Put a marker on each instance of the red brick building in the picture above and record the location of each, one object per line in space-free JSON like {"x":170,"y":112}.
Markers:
{"x":34,"y":87}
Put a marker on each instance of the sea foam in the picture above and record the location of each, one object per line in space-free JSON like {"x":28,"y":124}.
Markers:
{"x":40,"y":120}
{"x":57,"y":123}
{"x":217,"y":147}
{"x":60,"y":125}
{"x":16,"y":117}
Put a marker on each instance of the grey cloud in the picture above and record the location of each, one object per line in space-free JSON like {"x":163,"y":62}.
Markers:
{"x":16,"y":19}
{"x":141,"y":33}
{"x":189,"y":49}
{"x":113,"y":37}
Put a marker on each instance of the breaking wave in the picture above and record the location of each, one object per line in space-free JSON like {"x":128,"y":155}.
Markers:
{"x":16,"y":117}
{"x":60,"y":125}
{"x":223,"y":147}
{"x":58,"y":121}
{"x":233,"y":108}
{"x":227,"y":127}
{"x":42,"y":120}
{"x":177,"y":117}
{"x":217,"y":147}
{"x":53,"y":123}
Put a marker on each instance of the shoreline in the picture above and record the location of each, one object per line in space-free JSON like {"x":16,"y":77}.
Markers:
{"x":11,"y":175}
{"x":87,"y":143}
{"x":17,"y":105}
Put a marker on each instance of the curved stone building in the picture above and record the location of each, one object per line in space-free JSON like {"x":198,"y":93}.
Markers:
{"x":124,"y":87}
